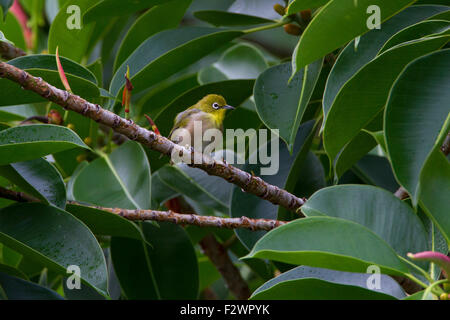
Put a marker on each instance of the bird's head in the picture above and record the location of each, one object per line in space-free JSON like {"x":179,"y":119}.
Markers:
{"x":215,"y":105}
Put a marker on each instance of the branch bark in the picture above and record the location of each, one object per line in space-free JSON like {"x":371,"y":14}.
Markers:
{"x":16,"y":196}
{"x":220,"y":258}
{"x":8,"y":51}
{"x":246,"y":181}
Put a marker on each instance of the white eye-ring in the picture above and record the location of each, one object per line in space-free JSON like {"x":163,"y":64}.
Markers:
{"x":215,"y":105}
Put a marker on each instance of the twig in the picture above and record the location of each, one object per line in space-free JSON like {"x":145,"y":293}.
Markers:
{"x":17,"y":196}
{"x":194,"y":219}
{"x":246,"y":181}
{"x":8,"y":51}
{"x":219,"y":257}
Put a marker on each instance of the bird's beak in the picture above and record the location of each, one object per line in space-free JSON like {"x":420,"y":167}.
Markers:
{"x":228,"y":107}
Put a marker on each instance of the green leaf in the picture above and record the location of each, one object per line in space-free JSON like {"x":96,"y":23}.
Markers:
{"x":377,"y":171}
{"x":156,"y":273}
{"x":323,"y":284}
{"x":242,"y":61}
{"x":39,"y":178}
{"x":42,"y":233}
{"x":434,"y":186}
{"x":29,"y":142}
{"x":224,"y":18}
{"x":153,"y":102}
{"x":251,"y":206}
{"x":72,"y":42}
{"x":5,"y":5}
{"x":413,"y":121}
{"x":298,"y":243}
{"x":300,"y":5}
{"x":3,"y":38}
{"x":350,"y":16}
{"x":377,"y":209}
{"x":416,"y":31}
{"x":160,"y":191}
{"x":166,"y":53}
{"x":273,"y":92}
{"x":121,"y":179}
{"x":116,"y":8}
{"x":350,"y":60}
{"x":161,"y":17}
{"x":105,"y":223}
{"x":18,"y":289}
{"x":11,"y":28}
{"x":364,"y":96}
{"x":48,"y":62}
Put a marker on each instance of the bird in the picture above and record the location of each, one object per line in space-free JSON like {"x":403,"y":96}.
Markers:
{"x":208,"y":111}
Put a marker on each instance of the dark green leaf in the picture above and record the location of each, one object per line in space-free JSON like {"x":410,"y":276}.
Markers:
{"x":18,"y":289}
{"x":299,"y":5}
{"x":322,"y":284}
{"x":298,"y":243}
{"x":33,"y":141}
{"x":39,"y":178}
{"x":121,"y":179}
{"x":156,"y":273}
{"x":280,"y":104}
{"x":224,"y":18}
{"x":42,"y":233}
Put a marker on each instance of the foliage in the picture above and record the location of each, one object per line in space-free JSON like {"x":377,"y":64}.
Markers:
{"x":359,"y":113}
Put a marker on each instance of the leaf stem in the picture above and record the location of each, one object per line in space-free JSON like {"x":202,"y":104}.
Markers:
{"x":423,"y":272}
{"x":432,"y":287}
{"x":280,"y":23}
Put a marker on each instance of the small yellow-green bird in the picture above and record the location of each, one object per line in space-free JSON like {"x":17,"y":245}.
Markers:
{"x":209,"y":112}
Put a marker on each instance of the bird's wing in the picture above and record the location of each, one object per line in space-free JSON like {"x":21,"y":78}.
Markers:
{"x":183,"y":116}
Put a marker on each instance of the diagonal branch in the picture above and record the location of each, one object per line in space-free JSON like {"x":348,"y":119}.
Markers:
{"x":246,"y":181}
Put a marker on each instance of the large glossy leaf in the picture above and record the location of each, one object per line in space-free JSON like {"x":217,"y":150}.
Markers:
{"x":156,"y":272}
{"x":114,"y":8}
{"x":416,"y":31}
{"x":244,"y":204}
{"x":414,"y":117}
{"x":105,"y":223}
{"x":224,"y":18}
{"x":299,"y":5}
{"x":434,"y":188}
{"x":39,"y":178}
{"x":12,"y":30}
{"x":5,"y":5}
{"x":33,"y":141}
{"x":280,"y":104}
{"x":119,"y":180}
{"x":165,"y":16}
{"x":362,"y":97}
{"x":160,"y":191}
{"x":318,"y":242}
{"x":320,"y":37}
{"x":323,"y":284}
{"x":42,"y":232}
{"x":377,"y":209}
{"x":48,"y":62}
{"x":13,"y":288}
{"x":72,"y":42}
{"x":242,"y":61}
{"x":168,"y":52}
{"x":353,"y":58}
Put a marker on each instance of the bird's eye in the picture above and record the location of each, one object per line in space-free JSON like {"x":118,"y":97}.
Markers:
{"x":215,"y":105}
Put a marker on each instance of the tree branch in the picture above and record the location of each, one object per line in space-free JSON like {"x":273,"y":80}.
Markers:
{"x":165,"y":216}
{"x":246,"y":181}
{"x":220,"y":258}
{"x":16,"y":196}
{"x":194,"y":219}
{"x":8,"y":51}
